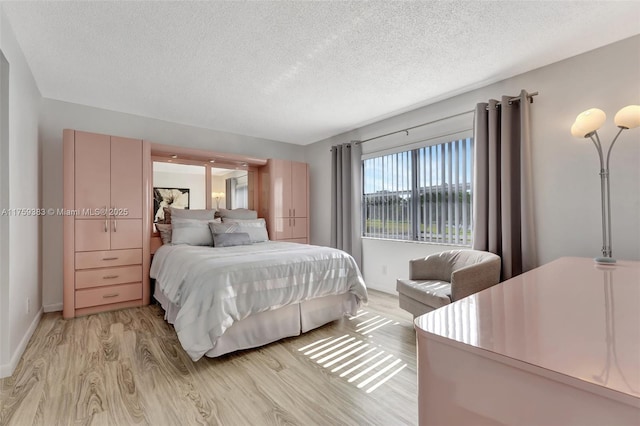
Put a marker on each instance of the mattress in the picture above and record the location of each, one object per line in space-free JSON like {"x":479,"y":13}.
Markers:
{"x":211,"y":288}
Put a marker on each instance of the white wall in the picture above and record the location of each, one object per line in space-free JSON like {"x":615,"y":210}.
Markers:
{"x":5,"y":355}
{"x":20,"y":235}
{"x":566,"y":180}
{"x":56,"y":116}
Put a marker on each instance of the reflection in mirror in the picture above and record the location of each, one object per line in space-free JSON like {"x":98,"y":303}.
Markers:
{"x":177,"y":185}
{"x":229,"y":188}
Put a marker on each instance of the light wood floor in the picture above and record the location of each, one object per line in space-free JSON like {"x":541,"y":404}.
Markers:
{"x":127,"y":367}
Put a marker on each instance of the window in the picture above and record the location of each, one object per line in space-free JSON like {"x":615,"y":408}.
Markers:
{"x":420,"y":195}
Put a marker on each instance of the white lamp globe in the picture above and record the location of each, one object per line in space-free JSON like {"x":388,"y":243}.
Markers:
{"x":628,"y":117}
{"x":588,"y":122}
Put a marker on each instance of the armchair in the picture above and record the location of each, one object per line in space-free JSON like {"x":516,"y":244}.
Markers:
{"x":442,"y":278}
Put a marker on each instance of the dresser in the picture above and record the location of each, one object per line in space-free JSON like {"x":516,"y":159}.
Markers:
{"x":558,"y":345}
{"x":284,"y":200}
{"x":105,"y":223}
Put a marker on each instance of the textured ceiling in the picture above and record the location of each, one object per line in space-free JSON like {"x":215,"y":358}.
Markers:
{"x":296,"y":71}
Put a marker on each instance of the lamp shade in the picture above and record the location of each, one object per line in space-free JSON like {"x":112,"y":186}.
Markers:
{"x":588,"y":122}
{"x":628,"y":117}
{"x":577,"y":131}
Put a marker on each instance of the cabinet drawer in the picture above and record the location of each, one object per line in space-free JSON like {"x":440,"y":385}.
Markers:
{"x":108,"y":276}
{"x":105,"y":259}
{"x":107,"y":295}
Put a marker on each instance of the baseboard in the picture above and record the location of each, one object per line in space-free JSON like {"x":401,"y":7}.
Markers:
{"x":383,"y":289}
{"x":7,"y":370}
{"x":54,"y":307}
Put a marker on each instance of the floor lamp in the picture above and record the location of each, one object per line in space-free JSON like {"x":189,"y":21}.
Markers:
{"x":586,"y":126}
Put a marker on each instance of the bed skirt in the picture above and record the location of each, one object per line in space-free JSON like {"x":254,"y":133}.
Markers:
{"x":270,"y":326}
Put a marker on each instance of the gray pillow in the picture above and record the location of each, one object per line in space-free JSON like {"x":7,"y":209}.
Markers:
{"x":190,"y":231}
{"x":256,"y":228}
{"x":238,"y":214}
{"x":231,"y":239}
{"x":200,"y":214}
{"x":165,"y":232}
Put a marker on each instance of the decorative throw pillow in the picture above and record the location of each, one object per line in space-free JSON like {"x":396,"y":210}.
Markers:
{"x":231,"y":239}
{"x":167,"y":215}
{"x":223,"y":228}
{"x":190,"y":231}
{"x":165,"y":232}
{"x":256,"y":228}
{"x":238,"y":214}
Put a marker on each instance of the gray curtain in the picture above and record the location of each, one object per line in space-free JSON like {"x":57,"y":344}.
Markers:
{"x":346,"y":193}
{"x":503,"y":196}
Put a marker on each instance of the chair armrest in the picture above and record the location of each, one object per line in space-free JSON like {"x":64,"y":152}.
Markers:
{"x":474,"y":278}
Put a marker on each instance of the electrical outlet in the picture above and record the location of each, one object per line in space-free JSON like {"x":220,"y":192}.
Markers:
{"x":28,"y":305}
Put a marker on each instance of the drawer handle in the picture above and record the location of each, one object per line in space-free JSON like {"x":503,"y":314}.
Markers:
{"x":110,"y":277}
{"x":109,"y":296}
{"x":109,"y":258}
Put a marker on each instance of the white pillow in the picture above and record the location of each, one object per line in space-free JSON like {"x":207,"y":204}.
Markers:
{"x":193,"y":232}
{"x":256,"y":228}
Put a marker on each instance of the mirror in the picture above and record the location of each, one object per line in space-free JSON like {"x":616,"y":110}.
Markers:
{"x":185,"y":186}
{"x":177,"y":185}
{"x":229,"y":189}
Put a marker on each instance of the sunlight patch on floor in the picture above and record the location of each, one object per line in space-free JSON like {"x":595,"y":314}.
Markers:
{"x":357,"y":359}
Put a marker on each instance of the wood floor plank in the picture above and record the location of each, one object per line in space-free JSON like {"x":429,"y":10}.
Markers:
{"x":127,"y":368}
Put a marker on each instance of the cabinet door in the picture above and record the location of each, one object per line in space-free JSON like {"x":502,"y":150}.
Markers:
{"x":299,"y":176}
{"x":92,"y":235}
{"x":282,"y":229}
{"x":125,"y":233}
{"x":126,"y":176}
{"x":92,"y":171}
{"x":298,"y":227}
{"x":280,"y":195}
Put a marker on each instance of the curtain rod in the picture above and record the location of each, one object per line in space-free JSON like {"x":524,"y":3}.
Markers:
{"x":517,"y":98}
{"x":514,"y":99}
{"x":414,"y":127}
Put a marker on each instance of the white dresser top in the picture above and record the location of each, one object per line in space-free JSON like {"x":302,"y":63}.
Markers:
{"x":569,"y":316}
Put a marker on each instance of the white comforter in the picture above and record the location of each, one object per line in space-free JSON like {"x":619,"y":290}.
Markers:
{"x":215,"y":287}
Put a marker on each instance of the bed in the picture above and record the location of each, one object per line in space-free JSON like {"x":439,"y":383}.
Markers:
{"x":224,"y":299}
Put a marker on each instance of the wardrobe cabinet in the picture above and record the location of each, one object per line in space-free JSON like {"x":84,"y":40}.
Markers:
{"x":104,"y":189}
{"x":285,"y":200}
